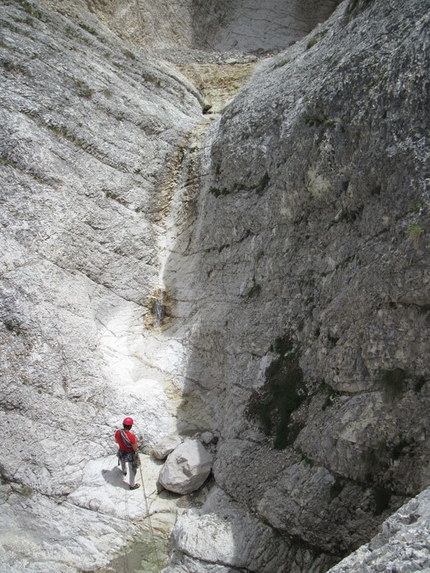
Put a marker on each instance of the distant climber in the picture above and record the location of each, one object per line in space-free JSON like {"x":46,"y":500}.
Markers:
{"x":127,"y":443}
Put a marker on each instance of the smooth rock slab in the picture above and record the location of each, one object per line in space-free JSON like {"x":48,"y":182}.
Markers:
{"x":222,"y":537}
{"x":186,"y":468}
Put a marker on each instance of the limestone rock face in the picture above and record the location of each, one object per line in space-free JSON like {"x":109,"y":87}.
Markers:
{"x":186,"y":468}
{"x":88,"y":130}
{"x":222,"y":536}
{"x":249,"y":25}
{"x":263,"y":276}
{"x":310,"y":263}
{"x":222,"y":532}
{"x":222,"y":25}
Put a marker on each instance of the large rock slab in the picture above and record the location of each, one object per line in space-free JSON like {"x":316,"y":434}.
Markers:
{"x":223,"y":536}
{"x":86,"y":529}
{"x":186,"y":468}
{"x":401,"y":545}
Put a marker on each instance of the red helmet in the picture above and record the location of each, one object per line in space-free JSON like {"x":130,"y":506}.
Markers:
{"x":128,"y":422}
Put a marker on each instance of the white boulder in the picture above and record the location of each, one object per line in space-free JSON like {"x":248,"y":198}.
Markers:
{"x":186,"y":468}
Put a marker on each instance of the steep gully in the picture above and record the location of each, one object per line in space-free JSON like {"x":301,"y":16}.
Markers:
{"x":176,"y":208}
{"x":169,"y":314}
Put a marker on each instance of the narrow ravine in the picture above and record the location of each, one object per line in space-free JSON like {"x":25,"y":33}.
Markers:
{"x":164,"y":354}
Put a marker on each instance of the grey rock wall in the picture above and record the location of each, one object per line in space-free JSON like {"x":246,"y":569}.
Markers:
{"x":161,"y":24}
{"x":255,"y":25}
{"x":309,"y":262}
{"x":218,"y":26}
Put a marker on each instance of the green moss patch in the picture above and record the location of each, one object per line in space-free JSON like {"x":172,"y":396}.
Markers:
{"x":12,"y":326}
{"x":392,"y":381}
{"x":262,"y":184}
{"x":284,"y":391}
{"x":218,"y":192}
{"x":254,"y":290}
{"x":381,"y":499}
{"x":336,"y":489}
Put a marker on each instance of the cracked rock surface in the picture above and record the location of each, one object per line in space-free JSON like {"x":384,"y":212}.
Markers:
{"x":313,"y":293}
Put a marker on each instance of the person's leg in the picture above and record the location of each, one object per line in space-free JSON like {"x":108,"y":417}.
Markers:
{"x":132,"y":474}
{"x":123,"y":468}
{"x":133,"y":471}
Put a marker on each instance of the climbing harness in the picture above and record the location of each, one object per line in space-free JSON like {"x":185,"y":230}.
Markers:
{"x":151,"y":530}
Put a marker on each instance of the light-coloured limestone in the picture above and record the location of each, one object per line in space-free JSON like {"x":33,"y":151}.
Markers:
{"x":223,"y":533}
{"x":87,"y":129}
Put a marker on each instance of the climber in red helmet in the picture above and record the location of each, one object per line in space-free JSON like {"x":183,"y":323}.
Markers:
{"x":127,"y":443}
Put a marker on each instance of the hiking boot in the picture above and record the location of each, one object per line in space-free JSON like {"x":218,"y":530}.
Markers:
{"x":135,"y":486}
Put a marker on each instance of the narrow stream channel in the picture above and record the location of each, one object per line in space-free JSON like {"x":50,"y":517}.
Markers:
{"x":142,"y":555}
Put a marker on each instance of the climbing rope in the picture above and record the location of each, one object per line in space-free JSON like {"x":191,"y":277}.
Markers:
{"x":151,"y":530}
